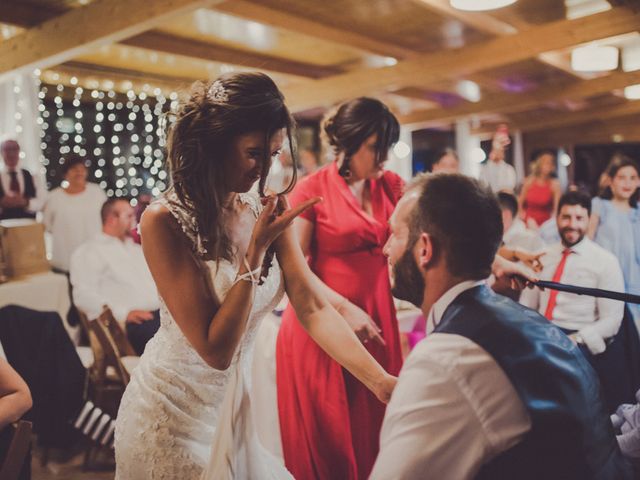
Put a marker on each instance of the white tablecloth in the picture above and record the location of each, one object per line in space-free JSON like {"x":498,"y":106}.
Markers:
{"x":45,"y":292}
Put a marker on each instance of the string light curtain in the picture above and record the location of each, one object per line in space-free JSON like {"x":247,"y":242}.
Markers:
{"x":20,"y":119}
{"x":122,"y":136}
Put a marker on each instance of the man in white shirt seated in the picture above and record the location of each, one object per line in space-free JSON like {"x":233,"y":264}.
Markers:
{"x":111,"y":270}
{"x":495,"y":391}
{"x":576,"y":260}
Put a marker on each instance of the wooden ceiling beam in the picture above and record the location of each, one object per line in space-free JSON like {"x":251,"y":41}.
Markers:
{"x":167,"y":43}
{"x":485,"y":22}
{"x":25,"y":15}
{"x":626,"y":129}
{"x":557,"y":119}
{"x":81,"y":29}
{"x":515,"y":102}
{"x":254,"y":10}
{"x":435,"y":67}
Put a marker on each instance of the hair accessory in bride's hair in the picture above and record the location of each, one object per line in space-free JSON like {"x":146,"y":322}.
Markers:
{"x":217,"y":93}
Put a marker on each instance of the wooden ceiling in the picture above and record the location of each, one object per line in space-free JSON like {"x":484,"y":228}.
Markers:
{"x":416,"y":55}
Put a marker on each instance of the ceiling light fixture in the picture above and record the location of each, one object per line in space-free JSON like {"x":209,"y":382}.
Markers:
{"x":632,"y":92}
{"x":594,"y":58}
{"x":480,"y":5}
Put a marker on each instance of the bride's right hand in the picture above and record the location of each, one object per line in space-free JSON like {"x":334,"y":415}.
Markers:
{"x":272,"y":222}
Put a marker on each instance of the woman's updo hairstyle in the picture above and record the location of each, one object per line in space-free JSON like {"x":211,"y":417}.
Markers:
{"x":199,"y":141}
{"x":347,"y":127}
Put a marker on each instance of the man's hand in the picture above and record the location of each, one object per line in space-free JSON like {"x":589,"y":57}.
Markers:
{"x":139,"y":316}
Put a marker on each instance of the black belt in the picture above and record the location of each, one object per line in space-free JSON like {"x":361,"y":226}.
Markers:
{"x":593,"y":292}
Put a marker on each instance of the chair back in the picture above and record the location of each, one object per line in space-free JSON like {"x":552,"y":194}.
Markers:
{"x":17,"y":452}
{"x":97,"y":370}
{"x":111,"y":352}
{"x":118,"y":335}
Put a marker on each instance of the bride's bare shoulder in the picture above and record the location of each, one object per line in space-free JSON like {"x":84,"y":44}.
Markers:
{"x":158,"y":222}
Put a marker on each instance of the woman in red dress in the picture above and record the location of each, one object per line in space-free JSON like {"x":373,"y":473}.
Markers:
{"x":540,"y":191}
{"x":329,"y":422}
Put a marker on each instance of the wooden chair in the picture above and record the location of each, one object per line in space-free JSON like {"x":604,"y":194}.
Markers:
{"x":17,"y":452}
{"x":113,"y":369}
{"x":125,"y":349}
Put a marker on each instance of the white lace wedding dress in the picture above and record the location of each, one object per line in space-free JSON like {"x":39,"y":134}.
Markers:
{"x":179,"y":417}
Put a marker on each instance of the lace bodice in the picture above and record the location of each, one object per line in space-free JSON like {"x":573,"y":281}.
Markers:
{"x":172,"y":404}
{"x":222,"y":274}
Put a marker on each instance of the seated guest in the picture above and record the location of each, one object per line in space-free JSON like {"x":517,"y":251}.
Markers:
{"x":22,"y":193}
{"x":626,"y":421}
{"x":15,"y":397}
{"x":72,"y":212}
{"x":111,"y":270}
{"x":446,"y":161}
{"x":495,"y":391}
{"x":143,"y":202}
{"x":516,"y":234}
{"x":576,"y":260}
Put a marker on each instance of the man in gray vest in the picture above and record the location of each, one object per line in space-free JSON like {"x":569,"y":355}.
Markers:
{"x":22,"y":194}
{"x":495,"y":391}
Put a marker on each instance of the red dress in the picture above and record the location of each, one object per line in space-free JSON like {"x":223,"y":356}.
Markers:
{"x":538,"y":203}
{"x":330,"y":423}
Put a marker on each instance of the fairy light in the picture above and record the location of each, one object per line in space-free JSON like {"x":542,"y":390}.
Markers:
{"x":120,"y":131}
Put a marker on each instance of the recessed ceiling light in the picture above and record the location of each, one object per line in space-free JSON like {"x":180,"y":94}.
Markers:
{"x":480,"y":5}
{"x":632,"y":92}
{"x":594,"y":58}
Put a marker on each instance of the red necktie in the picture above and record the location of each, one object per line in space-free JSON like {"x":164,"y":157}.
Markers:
{"x":14,"y":186}
{"x":556,"y":278}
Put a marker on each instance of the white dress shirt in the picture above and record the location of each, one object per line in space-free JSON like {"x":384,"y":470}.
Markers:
{"x":36,"y":203}
{"x":108,"y":271}
{"x":590,"y":265}
{"x":452,"y":410}
{"x":520,"y":237}
{"x":500,"y":176}
{"x":72,"y":220}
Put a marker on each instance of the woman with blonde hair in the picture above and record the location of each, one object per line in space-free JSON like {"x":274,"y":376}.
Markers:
{"x":541,"y":192}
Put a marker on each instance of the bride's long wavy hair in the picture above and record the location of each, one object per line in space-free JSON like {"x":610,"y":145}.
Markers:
{"x":199,"y":141}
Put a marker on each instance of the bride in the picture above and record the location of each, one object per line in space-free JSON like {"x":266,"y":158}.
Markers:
{"x":210,"y":246}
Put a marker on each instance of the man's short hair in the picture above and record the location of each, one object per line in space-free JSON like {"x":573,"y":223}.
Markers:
{"x":71,"y":161}
{"x":463,"y":219}
{"x":575,"y":198}
{"x":508,"y":201}
{"x":108,"y":207}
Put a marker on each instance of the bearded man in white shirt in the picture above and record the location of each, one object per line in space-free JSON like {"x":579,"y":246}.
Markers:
{"x":495,"y":391}
{"x":111,"y":270}
{"x":591,"y":322}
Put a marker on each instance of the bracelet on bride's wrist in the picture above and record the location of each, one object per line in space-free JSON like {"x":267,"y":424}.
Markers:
{"x":252,"y":276}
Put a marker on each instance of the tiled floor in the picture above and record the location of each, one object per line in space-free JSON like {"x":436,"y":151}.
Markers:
{"x":70,"y":469}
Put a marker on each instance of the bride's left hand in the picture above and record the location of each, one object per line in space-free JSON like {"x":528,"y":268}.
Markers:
{"x":518,"y":275}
